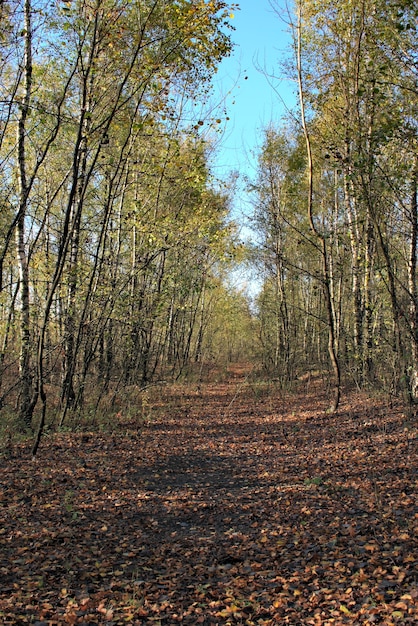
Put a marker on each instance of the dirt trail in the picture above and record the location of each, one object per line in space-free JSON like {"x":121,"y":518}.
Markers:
{"x":236,"y":504}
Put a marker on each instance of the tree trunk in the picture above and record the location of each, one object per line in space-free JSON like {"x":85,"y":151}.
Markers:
{"x":332,"y":349}
{"x":25,"y":404}
{"x":413,"y":291}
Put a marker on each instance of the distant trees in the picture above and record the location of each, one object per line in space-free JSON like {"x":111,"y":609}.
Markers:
{"x":357,"y":66}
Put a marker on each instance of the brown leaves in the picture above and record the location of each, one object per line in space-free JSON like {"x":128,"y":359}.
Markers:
{"x":232,"y":512}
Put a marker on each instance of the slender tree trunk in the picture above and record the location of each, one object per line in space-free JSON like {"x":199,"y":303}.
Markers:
{"x":356,"y":295}
{"x":67,"y":392}
{"x":332,"y":350}
{"x":25,"y":405}
{"x":6,"y":336}
{"x":198,"y":358}
{"x":367,"y":331}
{"x":413,"y":290}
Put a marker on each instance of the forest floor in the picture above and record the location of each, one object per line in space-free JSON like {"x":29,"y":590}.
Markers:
{"x":233,"y":503}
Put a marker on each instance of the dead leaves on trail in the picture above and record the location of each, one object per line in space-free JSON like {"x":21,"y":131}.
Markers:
{"x":230,"y":508}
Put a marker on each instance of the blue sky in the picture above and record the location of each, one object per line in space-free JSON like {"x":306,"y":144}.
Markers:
{"x":261,"y":41}
{"x":252,"y":102}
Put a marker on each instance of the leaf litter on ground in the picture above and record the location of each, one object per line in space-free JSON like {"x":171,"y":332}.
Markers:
{"x":229,"y":507}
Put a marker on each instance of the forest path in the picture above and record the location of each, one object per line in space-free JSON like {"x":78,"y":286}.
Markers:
{"x":233,"y":504}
